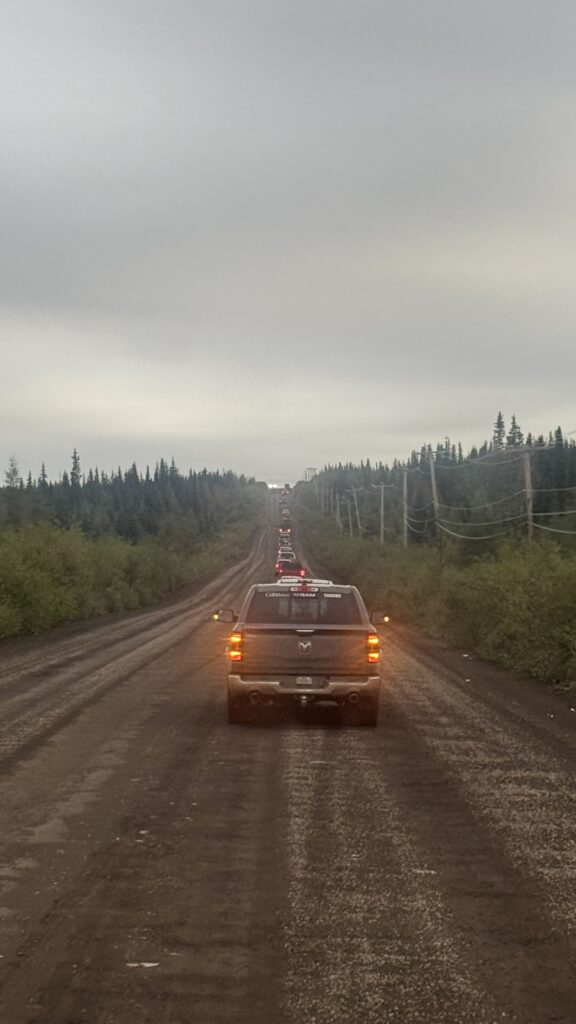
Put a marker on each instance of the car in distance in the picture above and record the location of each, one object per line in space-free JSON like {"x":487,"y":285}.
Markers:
{"x":301,"y":642}
{"x":289,"y":566}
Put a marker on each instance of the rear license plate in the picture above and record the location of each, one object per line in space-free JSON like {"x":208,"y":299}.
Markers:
{"x":304,"y":681}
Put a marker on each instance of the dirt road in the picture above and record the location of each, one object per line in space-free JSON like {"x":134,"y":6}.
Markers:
{"x":158,"y":866}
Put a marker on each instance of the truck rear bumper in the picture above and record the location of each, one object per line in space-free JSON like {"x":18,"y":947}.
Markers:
{"x":285,"y":689}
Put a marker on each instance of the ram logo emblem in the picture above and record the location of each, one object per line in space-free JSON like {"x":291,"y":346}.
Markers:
{"x":304,"y":646}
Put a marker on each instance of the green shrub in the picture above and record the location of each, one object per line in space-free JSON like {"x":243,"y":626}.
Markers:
{"x":515,"y":606}
{"x":49,"y":575}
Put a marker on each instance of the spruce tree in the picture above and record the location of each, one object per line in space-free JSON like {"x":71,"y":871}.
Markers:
{"x":499,"y":435}
{"x":75,"y":472}
{"x":12,"y":474}
{"x":514,"y":437}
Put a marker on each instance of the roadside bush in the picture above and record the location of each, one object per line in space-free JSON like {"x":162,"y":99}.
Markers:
{"x":515,"y":606}
{"x":49,"y":575}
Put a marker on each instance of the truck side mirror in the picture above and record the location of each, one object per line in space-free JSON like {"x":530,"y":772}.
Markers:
{"x":224,"y":615}
{"x":379,"y":619}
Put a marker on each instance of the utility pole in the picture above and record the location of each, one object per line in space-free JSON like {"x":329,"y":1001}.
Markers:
{"x":382,"y":512}
{"x":357,"y":512}
{"x":435,"y":504}
{"x":434,"y":487}
{"x":331,"y":493}
{"x":405,"y":508}
{"x":338,"y":519}
{"x":529,"y":494}
{"x":349,"y":518}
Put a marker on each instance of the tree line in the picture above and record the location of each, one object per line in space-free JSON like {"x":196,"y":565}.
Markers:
{"x":178,"y":509}
{"x":480,"y":494}
{"x":90,"y":544}
{"x":468,"y":573}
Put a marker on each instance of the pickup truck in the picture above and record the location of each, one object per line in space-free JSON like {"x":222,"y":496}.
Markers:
{"x":298,"y":642}
{"x":288,"y":565}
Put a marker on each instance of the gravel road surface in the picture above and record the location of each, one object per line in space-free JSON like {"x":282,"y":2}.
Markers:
{"x":158,"y":866}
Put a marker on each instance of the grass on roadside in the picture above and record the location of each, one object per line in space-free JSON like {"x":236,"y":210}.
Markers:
{"x":50,"y":576}
{"x":515,"y":607}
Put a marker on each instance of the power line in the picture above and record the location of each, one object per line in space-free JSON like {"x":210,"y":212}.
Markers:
{"x":485,"y":504}
{"x":548,"y":490}
{"x":420,"y":533}
{"x":485,"y":522}
{"x":550,"y":529}
{"x":463,"y":536}
{"x":567,"y":512}
{"x":473,"y":462}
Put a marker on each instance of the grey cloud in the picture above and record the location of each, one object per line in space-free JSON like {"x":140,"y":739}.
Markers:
{"x":371,"y":199}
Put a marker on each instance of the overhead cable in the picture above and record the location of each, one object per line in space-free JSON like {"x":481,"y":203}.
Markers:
{"x":569,"y":512}
{"x":550,"y":529}
{"x":463,"y":536}
{"x":480,"y":460}
{"x":413,"y":530}
{"x":548,"y":490}
{"x":473,"y":508}
{"x":485,"y":522}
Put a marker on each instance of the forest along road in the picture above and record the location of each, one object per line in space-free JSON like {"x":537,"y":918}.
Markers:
{"x":158,"y":866}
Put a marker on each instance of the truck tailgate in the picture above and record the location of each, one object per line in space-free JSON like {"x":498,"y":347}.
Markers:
{"x":286,"y":650}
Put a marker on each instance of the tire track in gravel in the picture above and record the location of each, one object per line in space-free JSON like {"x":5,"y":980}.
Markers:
{"x":173,"y":881}
{"x":366,"y":933}
{"x":521,"y":787}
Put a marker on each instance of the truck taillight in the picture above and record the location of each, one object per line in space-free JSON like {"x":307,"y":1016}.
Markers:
{"x":373,"y":648}
{"x":235,"y":642}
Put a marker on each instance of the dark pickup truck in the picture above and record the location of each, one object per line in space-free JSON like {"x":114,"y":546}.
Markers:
{"x":302,"y":642}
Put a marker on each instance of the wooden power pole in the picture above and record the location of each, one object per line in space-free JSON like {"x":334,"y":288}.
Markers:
{"x":338,"y":519}
{"x":434,"y":487}
{"x":529,"y":494}
{"x":358,"y":523}
{"x":405,"y":508}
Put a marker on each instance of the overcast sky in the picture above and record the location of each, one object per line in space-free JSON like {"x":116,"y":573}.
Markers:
{"x":270,"y":234}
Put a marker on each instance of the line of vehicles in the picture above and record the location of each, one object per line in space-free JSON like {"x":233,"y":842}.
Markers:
{"x":301,"y":641}
{"x":287,"y":562}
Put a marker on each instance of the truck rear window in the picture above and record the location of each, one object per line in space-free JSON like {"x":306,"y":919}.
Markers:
{"x":315,"y":607}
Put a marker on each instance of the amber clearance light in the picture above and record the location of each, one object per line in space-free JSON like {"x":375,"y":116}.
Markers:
{"x":373,"y":647}
{"x":235,"y":641}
